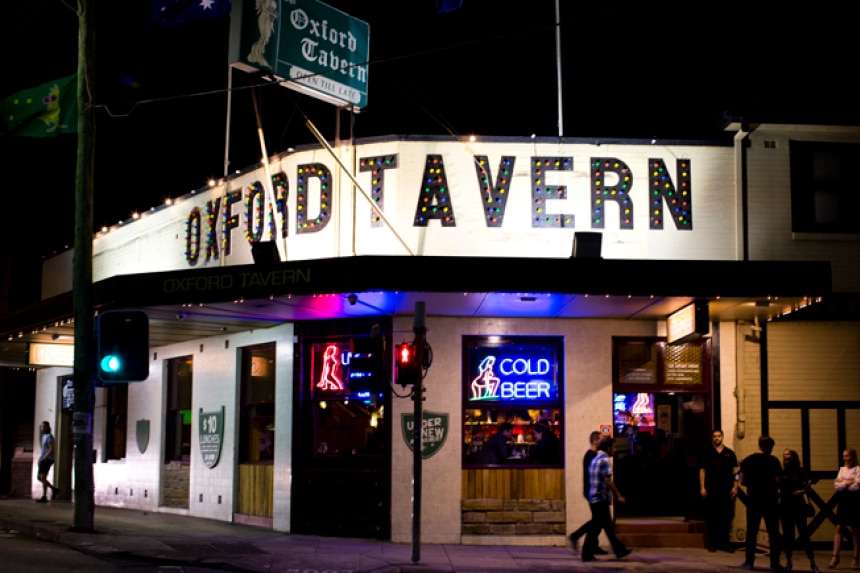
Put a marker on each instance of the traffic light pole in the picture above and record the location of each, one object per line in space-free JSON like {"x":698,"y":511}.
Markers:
{"x":420,"y":331}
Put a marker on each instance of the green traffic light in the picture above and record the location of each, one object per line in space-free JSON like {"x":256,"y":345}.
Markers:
{"x":110,"y":363}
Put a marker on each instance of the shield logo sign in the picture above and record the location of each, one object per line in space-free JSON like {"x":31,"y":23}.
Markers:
{"x":142,"y":431}
{"x":434,"y":431}
{"x":211,"y":436}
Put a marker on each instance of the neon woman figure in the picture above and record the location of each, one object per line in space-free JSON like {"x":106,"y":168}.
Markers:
{"x":486,"y":385}
{"x":329,"y":379}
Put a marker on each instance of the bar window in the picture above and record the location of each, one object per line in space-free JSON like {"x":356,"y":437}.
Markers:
{"x":512,"y":387}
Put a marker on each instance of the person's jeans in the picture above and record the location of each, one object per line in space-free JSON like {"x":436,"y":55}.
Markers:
{"x":601,"y":520}
{"x":770,"y":514}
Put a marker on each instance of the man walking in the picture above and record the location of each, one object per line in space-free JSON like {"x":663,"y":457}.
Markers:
{"x":760,"y":473}
{"x":602,"y":488}
{"x":718,"y":488}
{"x":593,"y":439}
{"x":46,"y":460}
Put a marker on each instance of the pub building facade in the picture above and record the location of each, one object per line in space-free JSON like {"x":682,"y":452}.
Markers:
{"x":649,"y":290}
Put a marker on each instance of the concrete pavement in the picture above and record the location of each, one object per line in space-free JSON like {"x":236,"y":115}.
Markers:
{"x":179,"y":540}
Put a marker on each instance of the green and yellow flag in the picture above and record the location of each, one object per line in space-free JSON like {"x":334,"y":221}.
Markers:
{"x":48,"y":110}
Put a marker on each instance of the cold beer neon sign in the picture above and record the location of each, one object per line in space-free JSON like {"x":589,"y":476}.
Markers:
{"x":513,"y":373}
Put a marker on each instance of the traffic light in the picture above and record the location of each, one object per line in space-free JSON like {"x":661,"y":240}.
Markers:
{"x":408,"y":370}
{"x":122,"y":338}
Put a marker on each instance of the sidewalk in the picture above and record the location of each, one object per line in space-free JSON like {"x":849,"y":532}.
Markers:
{"x":178,"y":540}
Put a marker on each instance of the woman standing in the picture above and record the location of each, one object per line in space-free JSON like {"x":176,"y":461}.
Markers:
{"x":847,"y":485}
{"x":793,"y":487}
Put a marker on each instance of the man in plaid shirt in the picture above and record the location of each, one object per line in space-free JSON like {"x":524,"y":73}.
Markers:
{"x":601,"y":491}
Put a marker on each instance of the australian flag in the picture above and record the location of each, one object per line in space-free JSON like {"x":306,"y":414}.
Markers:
{"x":171,"y":12}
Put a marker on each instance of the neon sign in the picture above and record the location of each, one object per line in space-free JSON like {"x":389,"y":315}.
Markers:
{"x":526,"y":371}
{"x":330,"y":378}
{"x":339,"y":370}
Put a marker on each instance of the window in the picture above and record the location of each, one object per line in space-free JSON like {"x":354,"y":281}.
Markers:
{"x":824,"y":195}
{"x":513,"y":379}
{"x":257,"y":407}
{"x":116,"y":426}
{"x":348,"y":402}
{"x":177,"y":436}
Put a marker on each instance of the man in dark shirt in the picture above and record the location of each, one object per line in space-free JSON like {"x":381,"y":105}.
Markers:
{"x":718,"y":488}
{"x":760,"y":474}
{"x":496,"y":450}
{"x":602,"y":490}
{"x":593,"y":439}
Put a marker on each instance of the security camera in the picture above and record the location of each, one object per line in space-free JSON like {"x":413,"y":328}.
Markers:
{"x":352,"y":299}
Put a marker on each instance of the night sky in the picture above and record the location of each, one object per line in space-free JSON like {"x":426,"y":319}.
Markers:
{"x":488,"y":68}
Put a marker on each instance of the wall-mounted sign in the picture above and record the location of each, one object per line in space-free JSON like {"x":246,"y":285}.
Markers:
{"x":142,"y":434}
{"x":434,"y":431}
{"x":512,"y":369}
{"x":690,"y":322}
{"x":46,"y":354}
{"x":211,"y":436}
{"x":68,"y":394}
{"x":339,"y":369}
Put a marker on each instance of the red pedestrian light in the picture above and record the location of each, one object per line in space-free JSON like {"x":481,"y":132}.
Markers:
{"x":408,"y":371}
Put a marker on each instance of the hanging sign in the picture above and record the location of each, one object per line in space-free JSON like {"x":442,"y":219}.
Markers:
{"x":211,"y":436}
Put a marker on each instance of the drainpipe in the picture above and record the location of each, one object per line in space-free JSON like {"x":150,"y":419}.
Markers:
{"x":740,"y":388}
{"x":742,"y":252}
{"x":741,"y":142}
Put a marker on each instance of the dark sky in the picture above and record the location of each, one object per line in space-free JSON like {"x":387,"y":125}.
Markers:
{"x":488,"y":68}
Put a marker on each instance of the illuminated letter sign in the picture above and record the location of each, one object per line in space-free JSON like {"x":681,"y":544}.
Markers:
{"x":519,"y":369}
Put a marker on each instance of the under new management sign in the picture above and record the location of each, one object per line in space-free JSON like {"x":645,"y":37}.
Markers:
{"x":313,"y":47}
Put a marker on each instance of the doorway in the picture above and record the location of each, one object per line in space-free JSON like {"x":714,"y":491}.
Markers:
{"x":656,"y":463}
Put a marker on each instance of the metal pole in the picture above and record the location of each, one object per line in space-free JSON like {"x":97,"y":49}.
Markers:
{"x":420,"y":331}
{"x":227,"y":121}
{"x":270,"y":192}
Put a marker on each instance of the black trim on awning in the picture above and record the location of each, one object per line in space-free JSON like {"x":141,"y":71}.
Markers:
{"x":699,"y":279}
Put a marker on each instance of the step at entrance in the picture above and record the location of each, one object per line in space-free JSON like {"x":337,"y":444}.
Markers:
{"x":660,"y":532}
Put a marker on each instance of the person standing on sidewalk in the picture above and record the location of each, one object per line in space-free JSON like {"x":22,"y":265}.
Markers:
{"x":594,"y":439}
{"x":601,"y":491}
{"x":847,"y":487}
{"x":718,"y":488}
{"x":46,"y":460}
{"x":760,"y":474}
{"x":793,"y":488}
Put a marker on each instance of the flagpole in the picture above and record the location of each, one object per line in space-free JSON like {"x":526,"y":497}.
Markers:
{"x":558,"y":67}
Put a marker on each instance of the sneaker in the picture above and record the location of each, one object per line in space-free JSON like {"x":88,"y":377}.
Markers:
{"x":777,"y":567}
{"x":587,"y":559}
{"x":599,"y":551}
{"x":747,"y":565}
{"x":42,"y":499}
{"x":55,"y":491}
{"x":727,"y":548}
{"x":574,"y":542}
